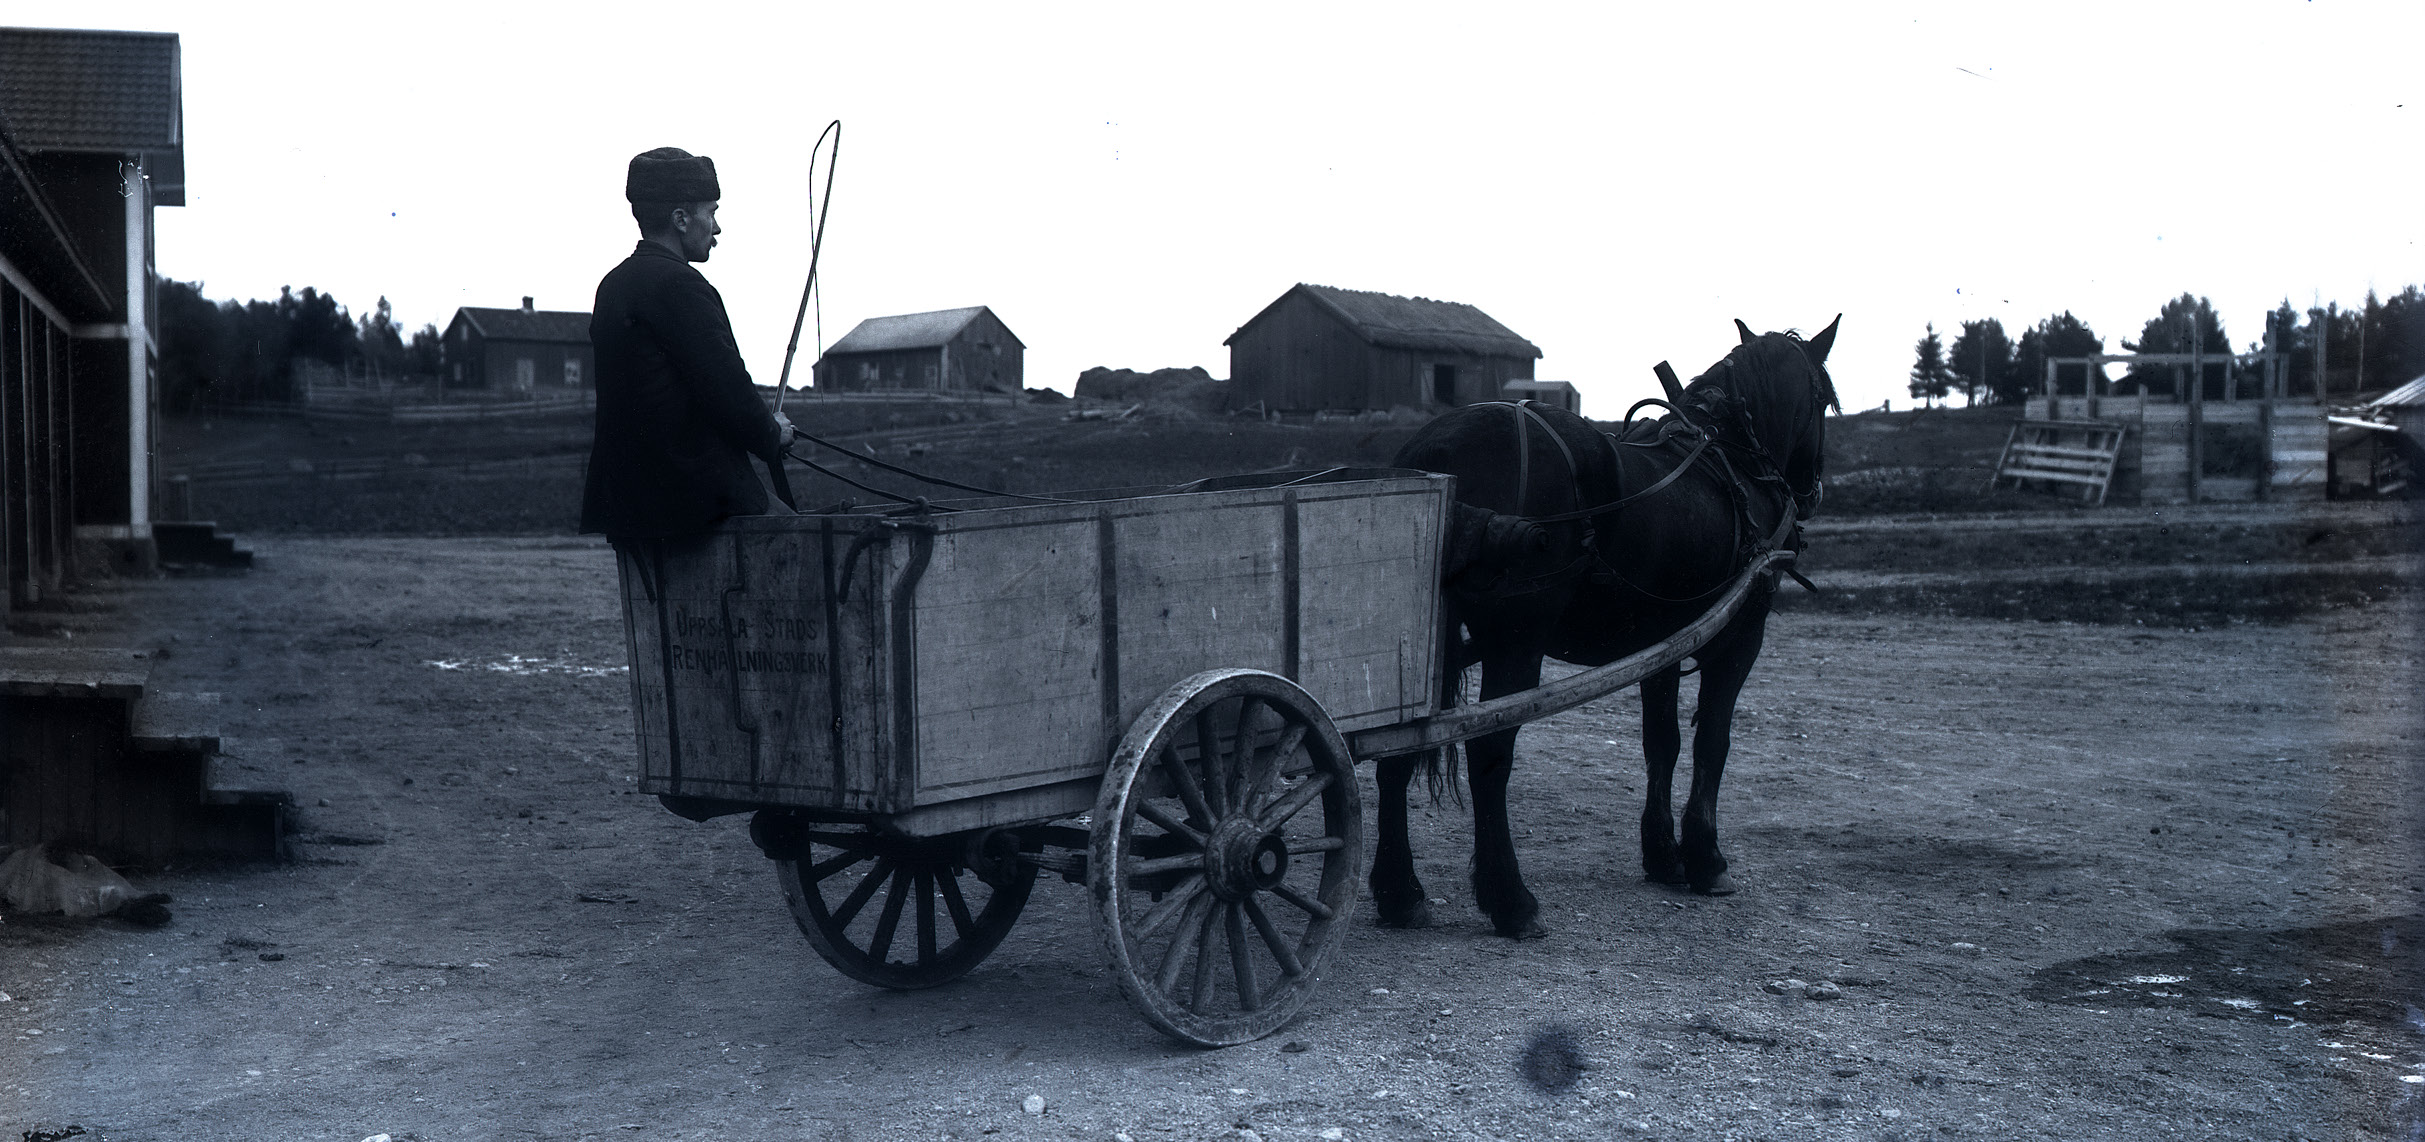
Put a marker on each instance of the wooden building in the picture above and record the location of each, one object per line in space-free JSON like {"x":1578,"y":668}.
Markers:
{"x":948,"y":350}
{"x":530,"y":351}
{"x":91,"y":139}
{"x":1323,"y":348}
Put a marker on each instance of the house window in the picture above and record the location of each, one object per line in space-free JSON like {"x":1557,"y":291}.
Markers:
{"x":526,"y":374}
{"x":930,"y":374}
{"x":572,"y":371}
{"x":1444,"y":384}
{"x":869,"y":372}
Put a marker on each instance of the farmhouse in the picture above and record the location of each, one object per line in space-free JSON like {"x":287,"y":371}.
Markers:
{"x":1557,"y":394}
{"x":1323,"y":348}
{"x":524,"y":350}
{"x":948,"y":350}
{"x":92,"y":137}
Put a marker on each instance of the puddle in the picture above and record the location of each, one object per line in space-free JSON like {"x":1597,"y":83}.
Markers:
{"x":520,"y":664}
{"x":2370,"y":970}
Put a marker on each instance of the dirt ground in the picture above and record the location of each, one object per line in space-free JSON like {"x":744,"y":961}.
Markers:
{"x":2069,"y":881}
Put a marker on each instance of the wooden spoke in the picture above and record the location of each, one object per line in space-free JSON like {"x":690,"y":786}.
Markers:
{"x":816,"y":873}
{"x":1242,"y":960}
{"x":890,"y":921}
{"x":926,"y":913}
{"x":1160,"y":865}
{"x":1172,"y":901}
{"x":1174,"y":957}
{"x":1297,"y":799}
{"x":1190,"y":794}
{"x":1280,"y":948}
{"x":1208,"y":930}
{"x":1270,"y":764}
{"x":1311,"y":906}
{"x":1170,"y":824}
{"x":960,"y":922}
{"x":1242,"y":755}
{"x":1317,"y":845}
{"x":858,"y":896}
{"x":1219,"y":783}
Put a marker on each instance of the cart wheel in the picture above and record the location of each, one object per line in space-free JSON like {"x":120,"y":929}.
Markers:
{"x":833,"y":886}
{"x":1216,"y":891}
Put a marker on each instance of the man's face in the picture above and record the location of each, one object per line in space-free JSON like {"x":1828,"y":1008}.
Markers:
{"x":695,"y":226}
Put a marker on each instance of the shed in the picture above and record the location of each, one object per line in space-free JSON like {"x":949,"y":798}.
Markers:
{"x":1319,"y":347}
{"x":526,"y":350}
{"x":1557,"y":394}
{"x":2403,"y":408}
{"x":947,"y":350}
{"x":92,"y":137}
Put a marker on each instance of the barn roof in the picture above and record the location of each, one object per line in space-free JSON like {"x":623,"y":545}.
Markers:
{"x":1393,"y":322}
{"x":530,"y":325}
{"x":2409,"y":395}
{"x":912,"y":331}
{"x":99,"y":92}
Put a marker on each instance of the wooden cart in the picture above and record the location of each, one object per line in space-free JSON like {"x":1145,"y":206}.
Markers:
{"x":1160,"y":696}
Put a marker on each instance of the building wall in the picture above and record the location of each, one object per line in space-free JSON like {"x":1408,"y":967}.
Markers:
{"x":905,"y":369}
{"x":499,"y":364}
{"x":1297,"y":356}
{"x":984,"y":357}
{"x":37,"y":510}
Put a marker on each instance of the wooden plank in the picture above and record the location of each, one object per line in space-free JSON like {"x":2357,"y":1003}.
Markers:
{"x":89,"y":672}
{"x":2060,"y":477}
{"x":171,"y":720}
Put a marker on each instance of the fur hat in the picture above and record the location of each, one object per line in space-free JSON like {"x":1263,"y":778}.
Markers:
{"x":671,"y":174}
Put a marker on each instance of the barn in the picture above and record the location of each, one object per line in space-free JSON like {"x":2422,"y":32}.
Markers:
{"x":949,"y":350}
{"x":92,"y":137}
{"x":1319,"y":347}
{"x":528,"y":350}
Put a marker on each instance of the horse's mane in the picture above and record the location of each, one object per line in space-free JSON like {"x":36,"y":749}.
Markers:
{"x":1761,"y":372}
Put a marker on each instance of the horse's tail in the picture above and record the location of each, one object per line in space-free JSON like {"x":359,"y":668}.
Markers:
{"x":1441,"y":771}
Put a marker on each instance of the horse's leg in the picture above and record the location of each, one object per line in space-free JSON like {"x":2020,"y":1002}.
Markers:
{"x":1661,"y":742}
{"x":1723,"y":672}
{"x":1498,"y":884}
{"x":1396,"y":891}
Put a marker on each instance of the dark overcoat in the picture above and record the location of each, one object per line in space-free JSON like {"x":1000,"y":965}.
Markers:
{"x":678,"y":419}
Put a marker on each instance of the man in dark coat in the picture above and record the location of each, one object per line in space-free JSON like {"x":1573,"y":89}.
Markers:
{"x":678,"y":419}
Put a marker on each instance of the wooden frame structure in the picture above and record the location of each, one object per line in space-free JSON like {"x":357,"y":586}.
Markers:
{"x":2161,"y":457}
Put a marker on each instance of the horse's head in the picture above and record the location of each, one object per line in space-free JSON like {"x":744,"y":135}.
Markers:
{"x":1781,"y":384}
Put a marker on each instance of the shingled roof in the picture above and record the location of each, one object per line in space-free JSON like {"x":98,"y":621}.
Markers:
{"x":97,"y":92}
{"x":534,"y":325}
{"x":1418,"y":323}
{"x":910,"y":331}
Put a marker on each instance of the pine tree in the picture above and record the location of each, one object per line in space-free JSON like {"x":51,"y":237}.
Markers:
{"x":1980,"y":358}
{"x":1930,"y":379}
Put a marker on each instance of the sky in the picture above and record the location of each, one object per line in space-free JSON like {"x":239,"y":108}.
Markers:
{"x":1126,"y":184}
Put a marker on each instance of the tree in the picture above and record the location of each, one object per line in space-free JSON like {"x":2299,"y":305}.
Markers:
{"x":1930,"y":380}
{"x":424,"y":356}
{"x":381,"y":340}
{"x":1980,"y":358}
{"x":2185,"y":324}
{"x":2061,"y":335}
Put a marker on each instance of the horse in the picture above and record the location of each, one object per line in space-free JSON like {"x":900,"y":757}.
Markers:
{"x":1643,"y":530}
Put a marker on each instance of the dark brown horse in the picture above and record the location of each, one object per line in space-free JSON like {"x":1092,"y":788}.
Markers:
{"x":1702,"y":489}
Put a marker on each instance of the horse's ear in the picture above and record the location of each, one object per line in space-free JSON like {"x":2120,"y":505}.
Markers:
{"x":1748,"y":336}
{"x":1825,"y":341}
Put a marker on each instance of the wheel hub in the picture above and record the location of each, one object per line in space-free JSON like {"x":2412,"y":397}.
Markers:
{"x":1243,"y":859}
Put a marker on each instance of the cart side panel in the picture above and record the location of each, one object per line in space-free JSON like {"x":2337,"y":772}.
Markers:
{"x":1009,"y":637}
{"x":749,"y":684}
{"x":1368,"y":591}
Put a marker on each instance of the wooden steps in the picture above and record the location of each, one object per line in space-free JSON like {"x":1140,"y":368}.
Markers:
{"x":91,"y":756}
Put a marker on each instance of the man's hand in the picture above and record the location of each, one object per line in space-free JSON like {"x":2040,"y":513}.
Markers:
{"x":784,"y":432}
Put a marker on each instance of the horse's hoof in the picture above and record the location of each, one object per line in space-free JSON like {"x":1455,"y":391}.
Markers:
{"x":1719,"y":885}
{"x":1528,"y":930}
{"x":1418,"y":916}
{"x":1670,"y":873}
